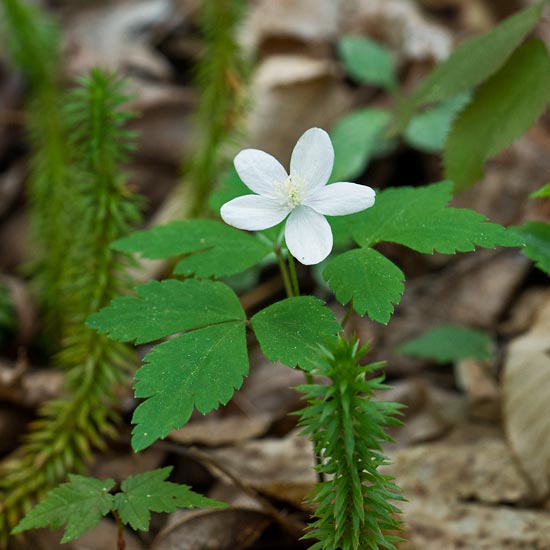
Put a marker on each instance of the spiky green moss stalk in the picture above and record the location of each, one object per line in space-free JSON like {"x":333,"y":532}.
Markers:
{"x":221,"y":77}
{"x":353,"y":507}
{"x":32,"y":39}
{"x":68,"y":429}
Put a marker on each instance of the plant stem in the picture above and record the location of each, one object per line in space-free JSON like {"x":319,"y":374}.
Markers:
{"x":120,"y":543}
{"x":293,"y":276}
{"x":284,"y":271}
{"x":347,"y":316}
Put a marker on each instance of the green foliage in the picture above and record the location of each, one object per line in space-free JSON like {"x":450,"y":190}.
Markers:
{"x":213,"y":249}
{"x":32,"y":39}
{"x":367,"y":61}
{"x":373,"y":282}
{"x":353,"y":508}
{"x":83,"y":501}
{"x":164,"y":308}
{"x":536,"y":236}
{"x":292,"y":330}
{"x":68,"y":429}
{"x":477,"y":58}
{"x":428,"y":130}
{"x":229,"y":188}
{"x":419,"y":219}
{"x":221,"y":78}
{"x":148,"y":492}
{"x":502,"y":109}
{"x":448,"y":343}
{"x":541,"y":193}
{"x":356,"y":138}
{"x":198,"y":369}
{"x":79,"y":504}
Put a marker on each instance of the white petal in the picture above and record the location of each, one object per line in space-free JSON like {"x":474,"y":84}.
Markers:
{"x":259,"y":171}
{"x":313,"y":158}
{"x":338,"y":199}
{"x":308,"y":236}
{"x":253,"y":212}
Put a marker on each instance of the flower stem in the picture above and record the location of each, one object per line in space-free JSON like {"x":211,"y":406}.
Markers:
{"x":284,"y":272}
{"x":121,"y":543}
{"x":347,"y":316}
{"x":293,"y":276}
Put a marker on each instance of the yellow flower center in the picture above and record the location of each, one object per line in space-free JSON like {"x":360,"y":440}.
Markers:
{"x":292,"y":191}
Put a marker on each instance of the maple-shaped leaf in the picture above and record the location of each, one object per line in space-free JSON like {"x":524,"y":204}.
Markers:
{"x":79,"y":504}
{"x":149,"y":492}
{"x":537,"y":243}
{"x":418,"y":217}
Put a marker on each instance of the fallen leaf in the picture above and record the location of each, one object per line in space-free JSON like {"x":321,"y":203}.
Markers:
{"x":525,"y":388}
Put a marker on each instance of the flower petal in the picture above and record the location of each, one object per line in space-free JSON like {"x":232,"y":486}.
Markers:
{"x":338,"y":199}
{"x":313,"y":158}
{"x":253,"y":212}
{"x":259,"y":171}
{"x":308,"y":236}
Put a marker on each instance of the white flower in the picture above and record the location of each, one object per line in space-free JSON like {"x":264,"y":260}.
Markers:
{"x":303,"y":194}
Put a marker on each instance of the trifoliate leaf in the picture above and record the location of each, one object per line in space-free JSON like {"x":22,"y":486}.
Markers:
{"x":199,"y":369}
{"x":367,"y":61}
{"x":373,"y":282}
{"x":292,"y":330}
{"x":501,"y":110}
{"x":418,"y":218}
{"x":541,"y":193}
{"x":163,"y":308}
{"x":477,"y":59}
{"x":149,"y":492}
{"x":449,"y":343}
{"x":213,"y":248}
{"x":428,"y":130}
{"x":536,"y":236}
{"x":79,"y":504}
{"x":355,"y":138}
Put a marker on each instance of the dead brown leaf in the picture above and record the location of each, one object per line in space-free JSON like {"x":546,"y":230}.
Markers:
{"x":526,"y":390}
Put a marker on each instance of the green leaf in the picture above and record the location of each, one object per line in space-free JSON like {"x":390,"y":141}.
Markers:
{"x":536,"y":236}
{"x":373,"y":282}
{"x":292,"y":330}
{"x":367,"y":61}
{"x":79,"y":504}
{"x":449,"y":343}
{"x":477,"y":58}
{"x":198,"y":369}
{"x":355,"y":138}
{"x":502,"y":109}
{"x":419,"y":219}
{"x":216,"y":250}
{"x":163,"y":308}
{"x":541,"y":193}
{"x":428,"y":131}
{"x":149,"y":492}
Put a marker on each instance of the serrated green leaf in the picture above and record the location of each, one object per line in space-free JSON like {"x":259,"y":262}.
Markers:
{"x":477,"y":58}
{"x":199,"y":369}
{"x":373,"y":282}
{"x":536,"y":236}
{"x":541,"y":193}
{"x":449,"y":343}
{"x":367,"y":61}
{"x":149,"y":492}
{"x":292,"y":330}
{"x":419,"y":219}
{"x":164,"y":308}
{"x":501,"y":110}
{"x":79,"y":504}
{"x":213,"y":248}
{"x":356,"y":137}
{"x":428,"y":130}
